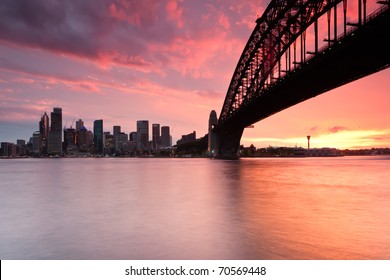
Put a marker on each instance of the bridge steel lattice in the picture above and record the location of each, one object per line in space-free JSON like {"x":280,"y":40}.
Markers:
{"x":275,"y":71}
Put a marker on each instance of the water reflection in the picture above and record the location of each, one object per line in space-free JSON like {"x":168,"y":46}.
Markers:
{"x":195,"y":209}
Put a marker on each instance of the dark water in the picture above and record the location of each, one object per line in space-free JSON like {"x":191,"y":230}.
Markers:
{"x":281,"y":208}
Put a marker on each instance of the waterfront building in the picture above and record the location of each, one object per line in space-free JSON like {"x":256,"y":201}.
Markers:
{"x":165,"y":137}
{"x":8,"y":149}
{"x":156,"y":139}
{"x":98,"y":136}
{"x":44,"y":131}
{"x":142,"y":135}
{"x":55,"y":133}
{"x":36,"y":143}
{"x":21,"y":147}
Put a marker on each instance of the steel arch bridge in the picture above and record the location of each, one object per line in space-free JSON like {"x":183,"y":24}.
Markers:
{"x":276,"y":71}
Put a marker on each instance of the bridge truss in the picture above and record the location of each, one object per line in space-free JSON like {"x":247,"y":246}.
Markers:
{"x":277,"y":46}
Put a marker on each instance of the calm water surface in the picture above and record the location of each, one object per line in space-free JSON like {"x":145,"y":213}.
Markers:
{"x":271,"y":208}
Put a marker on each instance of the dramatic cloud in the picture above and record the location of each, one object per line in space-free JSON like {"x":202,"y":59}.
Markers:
{"x":168,"y":60}
{"x":136,"y":34}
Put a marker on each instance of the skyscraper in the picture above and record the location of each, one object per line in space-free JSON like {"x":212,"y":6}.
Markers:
{"x":69,"y":140}
{"x":142,"y":135}
{"x":156,"y":140}
{"x":98,"y":136}
{"x":116,"y":129}
{"x":82,"y":139}
{"x":44,"y":132}
{"x":79,"y":124}
{"x":165,"y":137}
{"x":55,"y":134}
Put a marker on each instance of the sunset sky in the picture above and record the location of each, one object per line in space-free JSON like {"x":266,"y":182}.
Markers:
{"x":169,"y":62}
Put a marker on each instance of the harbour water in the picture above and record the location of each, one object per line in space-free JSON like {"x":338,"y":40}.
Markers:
{"x":133,"y":208}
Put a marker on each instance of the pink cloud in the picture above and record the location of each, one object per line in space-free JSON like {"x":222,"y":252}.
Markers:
{"x":223,"y":20}
{"x":175,"y":12}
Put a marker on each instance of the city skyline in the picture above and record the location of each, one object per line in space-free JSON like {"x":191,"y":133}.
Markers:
{"x":170,"y":61}
{"x":53,"y":139}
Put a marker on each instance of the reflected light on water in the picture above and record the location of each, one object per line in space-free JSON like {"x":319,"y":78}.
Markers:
{"x":297,"y":208}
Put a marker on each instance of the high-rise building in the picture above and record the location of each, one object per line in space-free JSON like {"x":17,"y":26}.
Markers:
{"x":133,"y":136}
{"x":142,"y":135}
{"x":156,"y":139}
{"x":82,"y":139}
{"x":165,"y":137}
{"x":44,"y":131}
{"x":79,"y":124}
{"x":109,"y":144}
{"x":21,"y":147}
{"x":8,"y":149}
{"x":70,"y":140}
{"x":90,"y":140}
{"x":55,"y":133}
{"x":98,"y":136}
{"x":116,"y":129}
{"x":36,"y":143}
{"x":133,"y":141}
{"x":120,"y":141}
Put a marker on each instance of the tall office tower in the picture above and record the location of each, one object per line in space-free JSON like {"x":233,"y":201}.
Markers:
{"x":36,"y":143}
{"x":44,"y":132}
{"x":133,"y":136}
{"x":108,"y":143}
{"x":90,"y":139}
{"x":82,"y":139}
{"x":70,"y":140}
{"x":116,"y":129}
{"x":120,"y":142}
{"x":21,"y":147}
{"x":132,"y":141}
{"x":55,"y":133}
{"x":165,"y":137}
{"x":142,"y":135}
{"x":212,"y":141}
{"x":79,"y":124}
{"x":98,"y":136}
{"x":156,"y":139}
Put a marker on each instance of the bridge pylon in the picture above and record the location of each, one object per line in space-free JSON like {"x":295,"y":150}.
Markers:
{"x":223,"y":143}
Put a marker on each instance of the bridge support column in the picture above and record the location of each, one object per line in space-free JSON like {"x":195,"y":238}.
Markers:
{"x":228,"y":143}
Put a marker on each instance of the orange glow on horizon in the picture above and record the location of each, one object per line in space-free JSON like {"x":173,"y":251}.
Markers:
{"x":358,"y":139}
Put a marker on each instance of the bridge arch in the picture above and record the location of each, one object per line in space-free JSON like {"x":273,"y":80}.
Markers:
{"x":270,"y":65}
